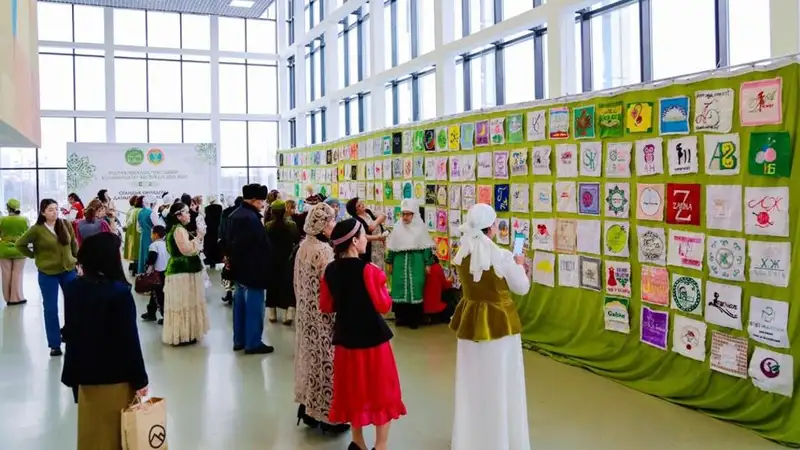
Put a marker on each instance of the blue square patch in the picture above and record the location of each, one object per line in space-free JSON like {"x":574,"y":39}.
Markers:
{"x":673,"y":115}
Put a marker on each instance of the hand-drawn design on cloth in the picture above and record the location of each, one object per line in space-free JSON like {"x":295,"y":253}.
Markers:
{"x":408,"y":190}
{"x":729,"y":354}
{"x":441,"y":139}
{"x":772,"y":371}
{"x":770,"y":154}
{"x":454,"y":137}
{"x":650,"y":201}
{"x":566,"y":160}
{"x":370,"y":170}
{"x":441,"y":220}
{"x":497,"y":130}
{"x":652,"y":245}
{"x":584,"y":122}
{"x":481,"y":133}
{"x":397,"y":190}
{"x":687,"y":294}
{"x":591,"y":159}
{"x":609,"y":120}
{"x":689,"y":337}
{"x":503,"y":231}
{"x":616,"y":239}
{"x":618,"y":278}
{"x":713,"y":111}
{"x":419,"y":191}
{"x":770,"y":262}
{"x":379,"y":192}
{"x":544,"y":268}
{"x":726,"y":258}
{"x":654,"y":327}
{"x":615,"y":311}
{"x":768,"y":322}
{"x":639,"y":117}
{"x":455,"y":168}
{"x":683,"y":204}
{"x":387,"y":169}
{"x":523,"y":227}
{"x":724,"y":207}
{"x":408,"y":167}
{"x":617,"y":200}
{"x":467,"y":136}
{"x":655,"y":285}
{"x":441,"y":168}
{"x":441,"y":195}
{"x":589,"y":236}
{"x":559,"y":123}
{"x":566,"y":235}
{"x":519,"y":198}
{"x":454,"y":222}
{"x":543,"y":234}
{"x":388,"y":188}
{"x":542,"y":197}
{"x":485,"y":165}
{"x":649,"y":159}
{"x":501,"y":193}
{"x":682,"y":155}
{"x":515,"y":133}
{"x":419,"y":166}
{"x":519,"y":162}
{"x":760,"y":102}
{"x":397,"y":144}
{"x":468,"y":164}
{"x":454,"y":196}
{"x":686,"y":249}
{"x":418,"y":144}
{"x":430,"y":140}
{"x":724,"y":305}
{"x":536,"y":129}
{"x":442,"y":248}
{"x":397,"y":168}
{"x":467,"y":196}
{"x":618,"y":159}
{"x":565,"y":197}
{"x":430,"y":218}
{"x":673,"y":115}
{"x":589,"y":198}
{"x":408,"y":144}
{"x":766,"y":211}
{"x":485,"y":194}
{"x":722,"y":154}
{"x":568,"y":273}
{"x":540,"y":160}
{"x":591,"y":273}
{"x":501,"y":165}
{"x":430,"y":194}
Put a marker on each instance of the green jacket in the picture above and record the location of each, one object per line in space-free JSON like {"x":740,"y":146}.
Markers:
{"x":51,"y":257}
{"x":11,"y":229}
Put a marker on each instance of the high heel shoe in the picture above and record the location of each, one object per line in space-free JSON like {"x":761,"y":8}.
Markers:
{"x":305,"y":418}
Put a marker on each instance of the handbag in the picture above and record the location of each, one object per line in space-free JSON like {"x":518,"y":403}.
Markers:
{"x":147,"y":282}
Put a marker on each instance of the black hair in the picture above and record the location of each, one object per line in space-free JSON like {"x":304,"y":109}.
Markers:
{"x":100,"y":258}
{"x":350,"y":207}
{"x":139,"y":202}
{"x":342,"y":229}
{"x":239,"y":200}
{"x":159,"y":231}
{"x":172,"y":217}
{"x":102,"y":194}
{"x":75,"y":197}
{"x":61,"y":229}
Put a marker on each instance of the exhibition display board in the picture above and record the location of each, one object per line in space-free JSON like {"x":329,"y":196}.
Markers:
{"x":659,"y":227}
{"x":126,"y":170}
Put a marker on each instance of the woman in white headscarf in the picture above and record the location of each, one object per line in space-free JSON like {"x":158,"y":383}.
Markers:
{"x":491,"y":410}
{"x":409,"y":257}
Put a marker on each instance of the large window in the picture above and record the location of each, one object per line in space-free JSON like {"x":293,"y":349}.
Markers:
{"x":749,"y":30}
{"x":615,"y":48}
{"x":519,"y":70}
{"x":677,"y":53}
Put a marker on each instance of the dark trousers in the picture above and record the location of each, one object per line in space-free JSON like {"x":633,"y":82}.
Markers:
{"x":157,"y":298}
{"x":444,"y":315}
{"x":408,"y":314}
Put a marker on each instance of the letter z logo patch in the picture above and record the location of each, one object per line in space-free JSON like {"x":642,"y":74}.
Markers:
{"x":683,"y":204}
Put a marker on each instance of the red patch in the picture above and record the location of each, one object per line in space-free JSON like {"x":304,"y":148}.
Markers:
{"x":683,"y":204}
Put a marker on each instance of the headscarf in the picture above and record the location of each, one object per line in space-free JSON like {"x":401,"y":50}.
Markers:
{"x":278,"y":205}
{"x":318,"y":218}
{"x":482,"y":251}
{"x":149,"y":201}
{"x":413,"y":236}
{"x":332,"y":201}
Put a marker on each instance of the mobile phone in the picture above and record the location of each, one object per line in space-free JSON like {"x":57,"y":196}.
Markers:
{"x":519,"y":242}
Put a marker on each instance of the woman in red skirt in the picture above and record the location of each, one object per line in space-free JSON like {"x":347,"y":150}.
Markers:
{"x":366,"y":388}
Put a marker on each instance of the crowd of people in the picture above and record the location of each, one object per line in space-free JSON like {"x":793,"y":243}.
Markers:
{"x":335,"y":280}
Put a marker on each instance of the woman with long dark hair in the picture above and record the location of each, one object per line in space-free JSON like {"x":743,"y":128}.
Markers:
{"x":93,"y":221}
{"x":51,"y":243}
{"x":366,"y":387}
{"x":103,"y":360}
{"x":376,"y":247}
{"x":75,"y":210}
{"x":185,"y":314}
{"x":284,"y":236}
{"x":12,"y":263}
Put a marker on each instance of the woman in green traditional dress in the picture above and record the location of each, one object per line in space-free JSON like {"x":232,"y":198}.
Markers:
{"x":132,"y":234}
{"x":185,"y":314}
{"x":410,"y":255}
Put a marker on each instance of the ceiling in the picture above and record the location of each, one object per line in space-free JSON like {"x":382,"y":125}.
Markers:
{"x":204,"y":7}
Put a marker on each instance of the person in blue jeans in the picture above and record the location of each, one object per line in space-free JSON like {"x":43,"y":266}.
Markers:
{"x":51,"y":243}
{"x":248,"y":249}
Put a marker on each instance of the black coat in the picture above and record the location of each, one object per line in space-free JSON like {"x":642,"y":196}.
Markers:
{"x":210,"y":243}
{"x":248,"y":248}
{"x":284,"y":238}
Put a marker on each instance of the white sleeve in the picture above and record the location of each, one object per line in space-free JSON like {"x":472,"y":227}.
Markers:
{"x":72,"y":215}
{"x":514,"y":274}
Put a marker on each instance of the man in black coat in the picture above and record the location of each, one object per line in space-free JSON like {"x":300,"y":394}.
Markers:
{"x":248,"y":250}
{"x":227,"y":278}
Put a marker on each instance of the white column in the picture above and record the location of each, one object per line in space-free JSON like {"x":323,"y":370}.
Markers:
{"x":108,"y":43}
{"x":215,"y":119}
{"x":300,"y":93}
{"x":332,"y":66}
{"x":784,"y":16}
{"x":299,"y":19}
{"x":281,"y":27}
{"x":377,"y":64}
{"x":443,"y":11}
{"x":283,"y":76}
{"x":561,"y":58}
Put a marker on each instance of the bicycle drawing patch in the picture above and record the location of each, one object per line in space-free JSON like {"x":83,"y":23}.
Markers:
{"x":713,"y":111}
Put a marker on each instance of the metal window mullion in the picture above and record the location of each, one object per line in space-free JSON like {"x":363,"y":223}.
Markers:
{"x":414,"y":19}
{"x":361,"y":118}
{"x":415,"y":94}
{"x":465,"y":66}
{"x":322,"y":67}
{"x":247,"y":147}
{"x":311,"y":74}
{"x":538,"y":63}
{"x":323,"y":125}
{"x":465,"y":14}
{"x":346,"y":52}
{"x":646,"y":39}
{"x":346,"y":117}
{"x":393,"y":25}
{"x":586,"y":53}
{"x":395,"y":103}
{"x":498,"y":11}
{"x":313,"y":127}
{"x":499,"y":75}
{"x":722,"y":28}
{"x":360,"y":50}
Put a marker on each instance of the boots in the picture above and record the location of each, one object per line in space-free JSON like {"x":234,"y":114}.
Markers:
{"x":288,"y":318}
{"x":272,"y":314}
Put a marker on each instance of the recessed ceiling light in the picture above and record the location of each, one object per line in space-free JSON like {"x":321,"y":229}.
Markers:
{"x":242,"y":3}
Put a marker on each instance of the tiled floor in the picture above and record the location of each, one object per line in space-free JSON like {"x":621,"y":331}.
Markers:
{"x":220,"y":400}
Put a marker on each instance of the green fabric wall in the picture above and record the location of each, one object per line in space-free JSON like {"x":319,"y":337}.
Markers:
{"x":568,"y":323}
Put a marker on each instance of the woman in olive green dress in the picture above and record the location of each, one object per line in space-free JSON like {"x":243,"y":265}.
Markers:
{"x":12,"y":262}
